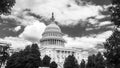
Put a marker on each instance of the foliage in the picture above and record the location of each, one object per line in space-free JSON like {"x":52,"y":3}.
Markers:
{"x":82,"y":64}
{"x":99,"y":61}
{"x":70,"y":62}
{"x":35,"y":49}
{"x":4,"y":55}
{"x":53,"y":64}
{"x":46,"y":61}
{"x":6,"y":5}
{"x":115,"y":12}
{"x":112,"y":44}
{"x":28,"y":58}
{"x":112,"y":47}
{"x":91,"y":62}
{"x":96,"y":61}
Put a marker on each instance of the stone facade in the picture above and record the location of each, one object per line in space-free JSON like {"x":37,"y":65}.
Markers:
{"x":53,"y":45}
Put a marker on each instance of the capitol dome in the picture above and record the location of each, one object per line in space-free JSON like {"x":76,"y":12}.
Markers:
{"x":52,"y":35}
{"x":53,"y":27}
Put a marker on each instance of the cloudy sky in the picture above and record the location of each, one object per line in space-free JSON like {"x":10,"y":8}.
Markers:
{"x":85,"y":23}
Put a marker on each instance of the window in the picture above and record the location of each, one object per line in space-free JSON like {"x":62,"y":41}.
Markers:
{"x":62,"y":51}
{"x":65,"y":51}
{"x":68,"y":51}
{"x":73,"y":52}
{"x":58,"y":51}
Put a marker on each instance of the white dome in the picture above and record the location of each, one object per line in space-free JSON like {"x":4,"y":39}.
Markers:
{"x":52,"y":35}
{"x":52,"y":27}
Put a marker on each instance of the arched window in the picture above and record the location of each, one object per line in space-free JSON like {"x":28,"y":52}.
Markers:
{"x":51,"y":34}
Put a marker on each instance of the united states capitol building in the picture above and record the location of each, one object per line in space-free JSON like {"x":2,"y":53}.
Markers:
{"x":52,"y":44}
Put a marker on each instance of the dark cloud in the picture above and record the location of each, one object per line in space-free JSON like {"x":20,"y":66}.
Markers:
{"x":97,"y":31}
{"x":73,"y":31}
{"x":104,"y":19}
{"x":99,"y":46}
{"x":107,"y":12}
{"x":79,"y":30}
{"x":95,"y":2}
{"x":7,"y":26}
{"x":99,"y":2}
{"x":39,"y":18}
{"x":34,"y":15}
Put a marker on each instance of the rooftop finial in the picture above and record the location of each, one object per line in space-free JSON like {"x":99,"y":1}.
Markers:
{"x":53,"y":18}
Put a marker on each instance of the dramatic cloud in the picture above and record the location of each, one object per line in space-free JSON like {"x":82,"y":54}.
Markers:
{"x":9,"y":27}
{"x":67,"y":12}
{"x":85,"y":23}
{"x":34,"y":31}
{"x":87,"y":42}
{"x":16,"y":42}
{"x":99,"y":2}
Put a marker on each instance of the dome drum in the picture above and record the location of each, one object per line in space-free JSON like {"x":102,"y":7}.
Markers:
{"x":49,"y":42}
{"x":52,"y":33}
{"x":44,"y":39}
{"x":52,"y":36}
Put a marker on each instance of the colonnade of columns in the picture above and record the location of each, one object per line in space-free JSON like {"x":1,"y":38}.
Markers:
{"x":65,"y":52}
{"x":52,"y":34}
{"x":53,"y":42}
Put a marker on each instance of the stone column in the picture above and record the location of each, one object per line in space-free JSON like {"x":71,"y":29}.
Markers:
{"x":46,"y":43}
{"x":55,"y":41}
{"x":52,"y":41}
{"x":58,"y":42}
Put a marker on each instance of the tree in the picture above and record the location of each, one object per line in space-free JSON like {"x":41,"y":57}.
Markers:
{"x":82,"y":64}
{"x":15,"y":61}
{"x":35,"y":51}
{"x":115,"y":12}
{"x":91,"y":62}
{"x":4,"y":54}
{"x":6,"y":5}
{"x":96,"y":61}
{"x":46,"y":61}
{"x":99,"y":61}
{"x":27,"y":58}
{"x":112,"y":53}
{"x":71,"y":62}
{"x":53,"y":64}
{"x":112,"y":44}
